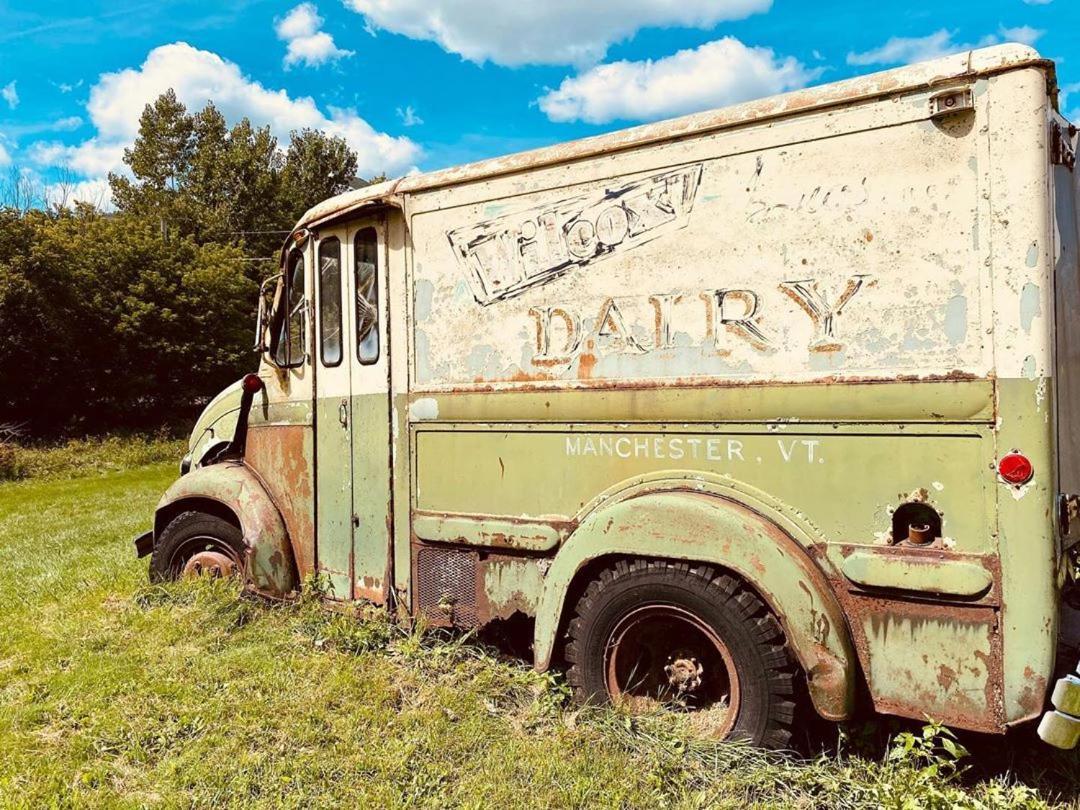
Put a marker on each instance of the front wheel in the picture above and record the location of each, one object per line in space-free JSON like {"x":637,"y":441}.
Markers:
{"x":647,"y":634}
{"x":197,"y":544}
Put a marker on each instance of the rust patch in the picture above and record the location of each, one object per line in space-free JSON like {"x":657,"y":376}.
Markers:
{"x":587,"y":361}
{"x":369,"y":589}
{"x":276,"y":453}
{"x":545,"y":382}
{"x":946,"y":677}
{"x":939,"y":696}
{"x":1033,"y":696}
{"x":468,"y":590}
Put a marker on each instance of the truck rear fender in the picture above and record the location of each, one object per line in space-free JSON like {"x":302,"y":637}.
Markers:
{"x":232,"y":486}
{"x":711,"y":522}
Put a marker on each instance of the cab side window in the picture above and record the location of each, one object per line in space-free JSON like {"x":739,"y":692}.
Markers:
{"x":330,"y":302}
{"x":367,"y":296}
{"x":289,"y":337}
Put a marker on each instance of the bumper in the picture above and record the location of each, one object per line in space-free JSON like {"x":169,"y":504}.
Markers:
{"x":1060,"y":727}
{"x":144,"y":543}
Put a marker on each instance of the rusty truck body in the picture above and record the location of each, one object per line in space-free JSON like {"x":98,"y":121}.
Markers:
{"x":760,"y":408}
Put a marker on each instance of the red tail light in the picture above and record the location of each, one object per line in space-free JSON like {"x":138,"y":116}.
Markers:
{"x":1015,"y":469}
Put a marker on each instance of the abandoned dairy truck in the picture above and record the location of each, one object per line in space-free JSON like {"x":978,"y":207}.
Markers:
{"x":761,"y":409}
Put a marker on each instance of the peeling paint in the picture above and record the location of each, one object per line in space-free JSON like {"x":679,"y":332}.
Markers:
{"x":423,"y":291}
{"x":1030,"y":306}
{"x":1029,"y":370}
{"x":956,"y":320}
{"x":424,"y":409}
{"x":1032,"y":255}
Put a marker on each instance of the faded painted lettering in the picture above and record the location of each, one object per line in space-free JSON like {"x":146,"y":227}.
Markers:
{"x":733,"y":315}
{"x":693,"y":448}
{"x":505,"y":256}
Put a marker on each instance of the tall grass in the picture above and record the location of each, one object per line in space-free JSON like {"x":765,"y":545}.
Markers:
{"x":80,"y":457}
{"x":116,"y":693}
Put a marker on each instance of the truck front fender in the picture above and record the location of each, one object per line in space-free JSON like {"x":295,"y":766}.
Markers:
{"x":271,"y":568}
{"x":707,"y":523}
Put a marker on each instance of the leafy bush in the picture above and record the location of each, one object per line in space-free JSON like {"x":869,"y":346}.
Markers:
{"x":106,"y":324}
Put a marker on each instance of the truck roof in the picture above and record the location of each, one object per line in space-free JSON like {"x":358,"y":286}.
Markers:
{"x":965,"y":65}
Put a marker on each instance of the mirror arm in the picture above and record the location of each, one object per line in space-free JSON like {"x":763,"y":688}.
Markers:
{"x":260,"y":344}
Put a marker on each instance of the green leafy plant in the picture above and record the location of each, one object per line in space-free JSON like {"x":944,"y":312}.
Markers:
{"x":935,"y":752}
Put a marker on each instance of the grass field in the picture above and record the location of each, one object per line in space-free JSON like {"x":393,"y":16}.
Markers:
{"x":115,"y":693}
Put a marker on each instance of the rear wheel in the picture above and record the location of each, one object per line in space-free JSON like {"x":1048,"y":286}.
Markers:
{"x":647,"y":634}
{"x":197,"y":544}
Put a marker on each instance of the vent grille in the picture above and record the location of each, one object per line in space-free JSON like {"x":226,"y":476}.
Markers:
{"x":446,"y":586}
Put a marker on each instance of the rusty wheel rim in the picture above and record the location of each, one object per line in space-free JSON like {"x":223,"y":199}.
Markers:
{"x":663,"y":655}
{"x":211,"y":561}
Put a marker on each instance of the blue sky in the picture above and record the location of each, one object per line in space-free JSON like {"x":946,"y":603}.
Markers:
{"x":431,"y":83}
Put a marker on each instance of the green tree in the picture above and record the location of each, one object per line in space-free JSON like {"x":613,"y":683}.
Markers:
{"x":317,"y":166}
{"x":196,"y":177}
{"x":159,"y":160}
{"x":104,"y":323}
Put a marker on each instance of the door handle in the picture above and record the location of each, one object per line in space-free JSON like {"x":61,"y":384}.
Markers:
{"x":343,"y":413}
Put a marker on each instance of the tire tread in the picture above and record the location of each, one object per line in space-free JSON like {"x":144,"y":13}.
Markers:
{"x":719,"y":587}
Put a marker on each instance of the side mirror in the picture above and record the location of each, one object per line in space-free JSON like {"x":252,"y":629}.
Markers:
{"x":261,"y":319}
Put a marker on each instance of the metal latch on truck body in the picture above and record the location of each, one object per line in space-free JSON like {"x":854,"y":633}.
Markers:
{"x":1062,"y":151}
{"x":952,"y":101}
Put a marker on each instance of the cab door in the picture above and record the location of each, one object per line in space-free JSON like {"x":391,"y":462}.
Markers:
{"x":333,"y":416}
{"x":370,"y":412}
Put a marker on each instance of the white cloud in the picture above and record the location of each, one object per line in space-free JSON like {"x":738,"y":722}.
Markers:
{"x":408,"y":117}
{"x":302,"y":21}
{"x":10,"y":94}
{"x":65,"y":87}
{"x":64,"y":124}
{"x":550,"y":32}
{"x":1038,"y":2}
{"x":306,"y":44}
{"x":197,"y":76}
{"x":903,"y":50}
{"x":92,"y":157}
{"x":1022,"y":33}
{"x":715,"y":74}
{"x":66,"y":194}
{"x":5,"y":156}
{"x":906,"y":50}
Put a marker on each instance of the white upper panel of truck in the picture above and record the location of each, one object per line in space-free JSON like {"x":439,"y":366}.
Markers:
{"x":968,"y":64}
{"x":743,"y":245}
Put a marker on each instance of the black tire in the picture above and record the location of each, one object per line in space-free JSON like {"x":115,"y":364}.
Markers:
{"x":188,"y":534}
{"x":765,"y":703}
